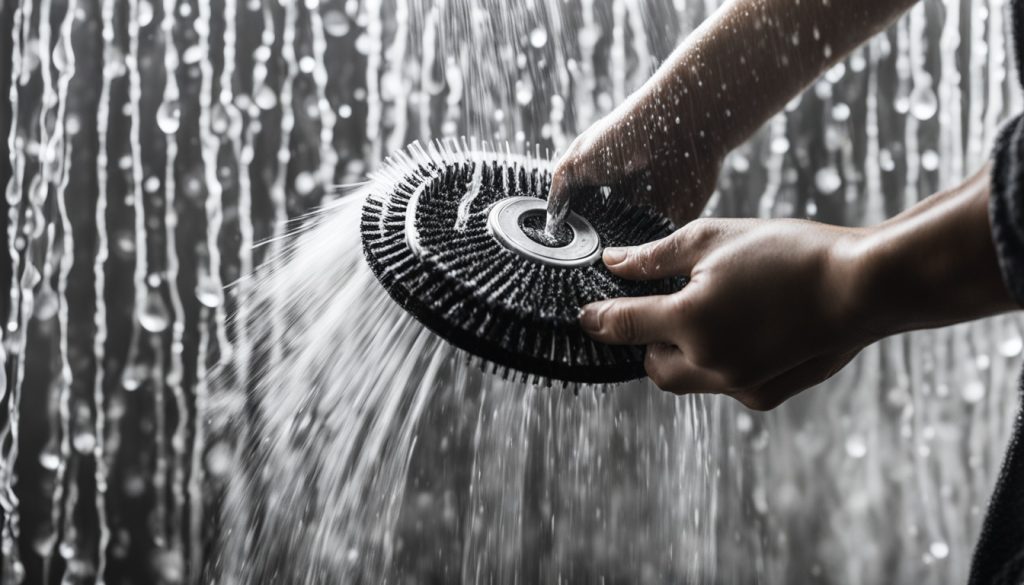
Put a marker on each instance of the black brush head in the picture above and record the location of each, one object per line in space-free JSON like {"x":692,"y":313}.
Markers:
{"x":432,"y":236}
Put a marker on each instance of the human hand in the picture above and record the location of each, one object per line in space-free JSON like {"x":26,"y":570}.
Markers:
{"x":770,"y":309}
{"x":644,"y":155}
{"x":776,"y":306}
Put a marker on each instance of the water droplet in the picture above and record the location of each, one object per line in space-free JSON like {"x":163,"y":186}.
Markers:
{"x":84,"y":442}
{"x":134,"y":484}
{"x":856,"y":447}
{"x":80,"y":570}
{"x":759,"y":497}
{"x":391,"y":86}
{"x":219,"y":460}
{"x":538,"y":37}
{"x":1011,"y":346}
{"x":840,"y":112}
{"x":973,"y":391}
{"x":145,"y":15}
{"x":836,"y":73}
{"x":49,"y":459}
{"x":208,"y":293}
{"x":192,"y":55}
{"x":265,"y":98}
{"x":170,"y":566}
{"x":740,"y":163}
{"x":923,"y":103}
{"x":47,"y":304}
{"x":72,"y":125}
{"x":114,"y":67}
{"x":939,"y":549}
{"x":43,"y":544}
{"x":153,"y":315}
{"x":366,"y":45}
{"x":125,"y":243}
{"x":133,"y":376}
{"x":168,"y":117}
{"x":335,"y":23}
{"x":827,"y":180}
{"x":219,"y":121}
{"x":30,"y":277}
{"x":744,"y":423}
{"x":930,"y":160}
{"x":152,"y":184}
{"x":858,"y":63}
{"x":982,"y":361}
{"x":901,"y":104}
{"x":307,"y":64}
{"x":524,"y":92}
{"x":823,"y":90}
{"x":305,"y":182}
{"x":898,"y":396}
{"x":886,"y":161}
{"x":193,"y":185}
{"x":345,"y":111}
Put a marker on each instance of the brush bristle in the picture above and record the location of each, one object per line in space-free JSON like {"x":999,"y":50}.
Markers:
{"x":477,"y":294}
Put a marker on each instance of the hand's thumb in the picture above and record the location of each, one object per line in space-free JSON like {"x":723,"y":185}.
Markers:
{"x":674,"y":255}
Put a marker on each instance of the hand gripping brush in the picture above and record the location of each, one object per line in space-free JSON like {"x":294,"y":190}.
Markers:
{"x":456,"y":237}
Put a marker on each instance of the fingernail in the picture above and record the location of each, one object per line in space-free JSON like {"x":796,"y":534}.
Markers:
{"x":613,"y":256}
{"x":590,"y":319}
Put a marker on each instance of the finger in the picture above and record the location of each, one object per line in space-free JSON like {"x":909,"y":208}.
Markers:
{"x":569,"y":176}
{"x":630,"y":320}
{"x":560,"y":195}
{"x":670,"y":370}
{"x":675,"y":255}
{"x":792,"y":382}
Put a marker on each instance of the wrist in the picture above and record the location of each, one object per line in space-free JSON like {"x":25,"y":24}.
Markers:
{"x":931,"y":266}
{"x":897,"y":285}
{"x":854,"y":286}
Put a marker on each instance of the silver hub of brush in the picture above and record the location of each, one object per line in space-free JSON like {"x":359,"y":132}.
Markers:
{"x":506,"y":222}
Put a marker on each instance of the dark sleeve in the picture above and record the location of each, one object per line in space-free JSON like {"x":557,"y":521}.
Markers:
{"x":1006,"y":205}
{"x":999,"y":555}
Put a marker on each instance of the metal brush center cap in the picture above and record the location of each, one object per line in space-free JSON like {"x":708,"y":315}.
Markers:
{"x":505,"y":222}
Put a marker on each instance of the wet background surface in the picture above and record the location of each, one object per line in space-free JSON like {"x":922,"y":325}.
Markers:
{"x":151,"y":144}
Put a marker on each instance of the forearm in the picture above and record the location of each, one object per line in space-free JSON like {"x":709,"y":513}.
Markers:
{"x":928,"y":267}
{"x":664,"y":145}
{"x":751,"y":57}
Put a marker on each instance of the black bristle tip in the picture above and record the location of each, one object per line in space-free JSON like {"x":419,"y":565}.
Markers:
{"x":485,"y":299}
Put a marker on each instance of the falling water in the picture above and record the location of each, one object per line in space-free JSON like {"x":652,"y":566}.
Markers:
{"x":340,"y":484}
{"x":147,"y":437}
